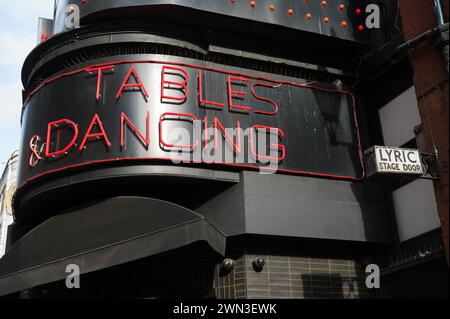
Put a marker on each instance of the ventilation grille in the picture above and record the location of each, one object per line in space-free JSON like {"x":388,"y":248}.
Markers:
{"x":84,"y":57}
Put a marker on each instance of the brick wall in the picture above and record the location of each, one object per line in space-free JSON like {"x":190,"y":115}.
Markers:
{"x":431,"y":82}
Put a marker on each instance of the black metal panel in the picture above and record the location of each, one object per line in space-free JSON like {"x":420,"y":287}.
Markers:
{"x":174,"y":184}
{"x":286,"y":13}
{"x":320,"y":131}
{"x":316,"y":208}
{"x":278,"y":205}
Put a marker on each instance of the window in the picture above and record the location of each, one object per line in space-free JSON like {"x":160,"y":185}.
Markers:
{"x":416,"y":209}
{"x":399,"y":118}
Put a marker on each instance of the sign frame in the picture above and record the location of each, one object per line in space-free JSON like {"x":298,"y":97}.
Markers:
{"x":387,"y":160}
{"x":36,"y":151}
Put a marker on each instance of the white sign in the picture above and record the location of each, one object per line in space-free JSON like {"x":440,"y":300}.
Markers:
{"x":397,"y":161}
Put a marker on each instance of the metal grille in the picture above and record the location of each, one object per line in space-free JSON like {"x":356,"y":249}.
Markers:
{"x":85,"y":57}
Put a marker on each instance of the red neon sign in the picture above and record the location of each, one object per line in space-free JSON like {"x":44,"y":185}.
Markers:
{"x":242,"y":97}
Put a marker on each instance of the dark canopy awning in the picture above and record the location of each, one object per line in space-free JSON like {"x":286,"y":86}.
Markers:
{"x":103,"y":235}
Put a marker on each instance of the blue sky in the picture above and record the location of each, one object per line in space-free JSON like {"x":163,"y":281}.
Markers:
{"x":18,"y":33}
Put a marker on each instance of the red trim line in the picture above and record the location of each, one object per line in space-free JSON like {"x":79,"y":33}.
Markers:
{"x":123,"y":159}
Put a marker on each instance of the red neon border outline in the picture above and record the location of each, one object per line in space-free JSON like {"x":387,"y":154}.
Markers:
{"x":205,"y":68}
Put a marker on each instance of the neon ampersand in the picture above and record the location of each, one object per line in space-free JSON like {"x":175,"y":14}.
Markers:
{"x":36,"y":151}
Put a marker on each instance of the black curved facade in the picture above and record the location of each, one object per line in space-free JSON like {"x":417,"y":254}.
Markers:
{"x":101,"y":102}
